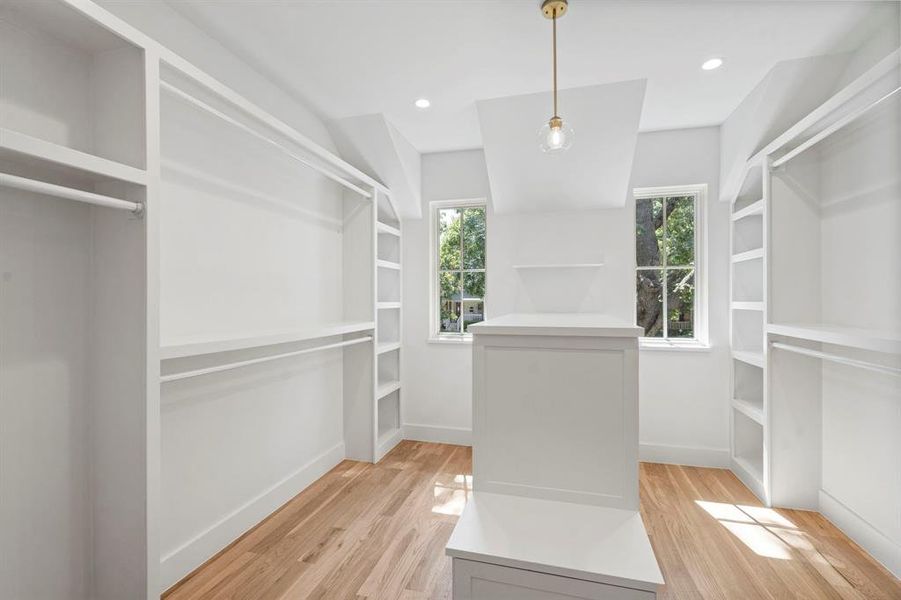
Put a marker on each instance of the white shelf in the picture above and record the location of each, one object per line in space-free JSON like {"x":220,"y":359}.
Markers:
{"x":877,"y":340}
{"x":386,"y":388}
{"x":387,"y":264}
{"x":749,"y":255}
{"x":561,"y":266}
{"x":749,"y":409}
{"x":209,"y":345}
{"x":387,"y":305}
{"x":755,"y":208}
{"x":611,"y":548}
{"x":384,"y":228}
{"x":388,"y":347}
{"x":19,"y":146}
{"x":747,"y":306}
{"x":756,"y":359}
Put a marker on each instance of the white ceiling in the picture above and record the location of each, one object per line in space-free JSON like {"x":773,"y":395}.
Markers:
{"x":353,"y":57}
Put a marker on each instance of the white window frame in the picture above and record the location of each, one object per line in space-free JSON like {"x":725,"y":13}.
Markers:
{"x":435,"y":207}
{"x":701,"y":340}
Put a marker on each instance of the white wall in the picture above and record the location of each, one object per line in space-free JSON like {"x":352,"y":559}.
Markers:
{"x":683,"y":395}
{"x":437,"y":393}
{"x":250,"y":243}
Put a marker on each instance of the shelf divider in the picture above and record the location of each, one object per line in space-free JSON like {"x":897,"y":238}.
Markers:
{"x":749,"y":409}
{"x":755,"y":208}
{"x":753,"y":358}
{"x":749,"y":255}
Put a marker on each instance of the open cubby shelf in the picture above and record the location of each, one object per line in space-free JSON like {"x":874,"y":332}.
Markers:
{"x":387,"y":229}
{"x":750,"y":210}
{"x":756,"y":359}
{"x":747,"y":448}
{"x":752,"y":254}
{"x":749,"y":409}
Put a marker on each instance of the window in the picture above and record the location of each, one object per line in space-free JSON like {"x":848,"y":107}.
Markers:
{"x":669,"y":305}
{"x":458,"y":267}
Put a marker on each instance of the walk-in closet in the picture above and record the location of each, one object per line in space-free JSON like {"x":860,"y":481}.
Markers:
{"x":407,"y":301}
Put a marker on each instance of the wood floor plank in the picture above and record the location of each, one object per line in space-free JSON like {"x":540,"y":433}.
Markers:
{"x":377,"y":532}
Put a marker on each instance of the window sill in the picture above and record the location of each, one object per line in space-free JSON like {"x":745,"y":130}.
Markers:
{"x":455,"y":340}
{"x":673,"y":346}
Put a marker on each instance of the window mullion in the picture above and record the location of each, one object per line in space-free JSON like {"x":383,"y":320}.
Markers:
{"x":462,"y":225}
{"x":665,"y":275}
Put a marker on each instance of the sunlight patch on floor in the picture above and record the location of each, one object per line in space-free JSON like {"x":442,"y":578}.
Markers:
{"x":761,"y":529}
{"x":451,"y":498}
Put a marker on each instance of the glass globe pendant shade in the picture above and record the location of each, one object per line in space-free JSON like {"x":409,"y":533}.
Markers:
{"x":555,"y":136}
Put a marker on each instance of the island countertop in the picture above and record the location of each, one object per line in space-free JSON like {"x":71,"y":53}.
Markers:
{"x":557,"y":324}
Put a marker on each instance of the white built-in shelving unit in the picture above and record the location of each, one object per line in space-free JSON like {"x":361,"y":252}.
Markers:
{"x":816,"y":336}
{"x":388,"y":393}
{"x":84,"y":358}
{"x":747,"y":318}
{"x":78,"y":349}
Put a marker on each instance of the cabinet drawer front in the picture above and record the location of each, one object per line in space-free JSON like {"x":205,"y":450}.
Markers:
{"x":483,"y":581}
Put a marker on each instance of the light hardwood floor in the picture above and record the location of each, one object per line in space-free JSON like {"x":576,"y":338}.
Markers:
{"x":378,"y":532}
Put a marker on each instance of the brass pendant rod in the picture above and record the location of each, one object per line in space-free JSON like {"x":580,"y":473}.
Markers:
{"x":555,"y":62}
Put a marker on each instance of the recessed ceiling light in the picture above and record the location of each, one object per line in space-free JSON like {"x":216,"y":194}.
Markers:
{"x":712,"y":63}
{"x":422,"y":103}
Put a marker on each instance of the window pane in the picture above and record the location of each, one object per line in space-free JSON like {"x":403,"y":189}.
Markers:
{"x":650,"y":302}
{"x":680,"y":302}
{"x":648,"y":231}
{"x":449,"y":302}
{"x":680,"y":231}
{"x":449,"y":238}
{"x":474,"y":238}
{"x":473,"y":308}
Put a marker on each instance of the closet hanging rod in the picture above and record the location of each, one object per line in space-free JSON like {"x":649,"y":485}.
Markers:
{"x":837,"y":359}
{"x":846,"y":120}
{"x":221,"y":115}
{"x":59,"y":191}
{"x":262,"y":359}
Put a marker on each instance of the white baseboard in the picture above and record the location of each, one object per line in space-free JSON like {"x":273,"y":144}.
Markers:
{"x":689,"y":456}
{"x":441,"y":435}
{"x":858,"y":529}
{"x":717,"y":458}
{"x":177,"y":563}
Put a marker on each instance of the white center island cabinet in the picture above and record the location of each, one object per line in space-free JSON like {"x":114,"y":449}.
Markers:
{"x":554,"y":512}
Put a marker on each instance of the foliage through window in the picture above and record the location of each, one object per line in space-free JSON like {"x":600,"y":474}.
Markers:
{"x":665,"y":248}
{"x":461,"y":268}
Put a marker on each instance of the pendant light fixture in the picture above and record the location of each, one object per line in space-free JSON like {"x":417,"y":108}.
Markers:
{"x":556,"y":135}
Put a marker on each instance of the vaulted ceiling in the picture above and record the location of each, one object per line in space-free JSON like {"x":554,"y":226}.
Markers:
{"x":355,"y":57}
